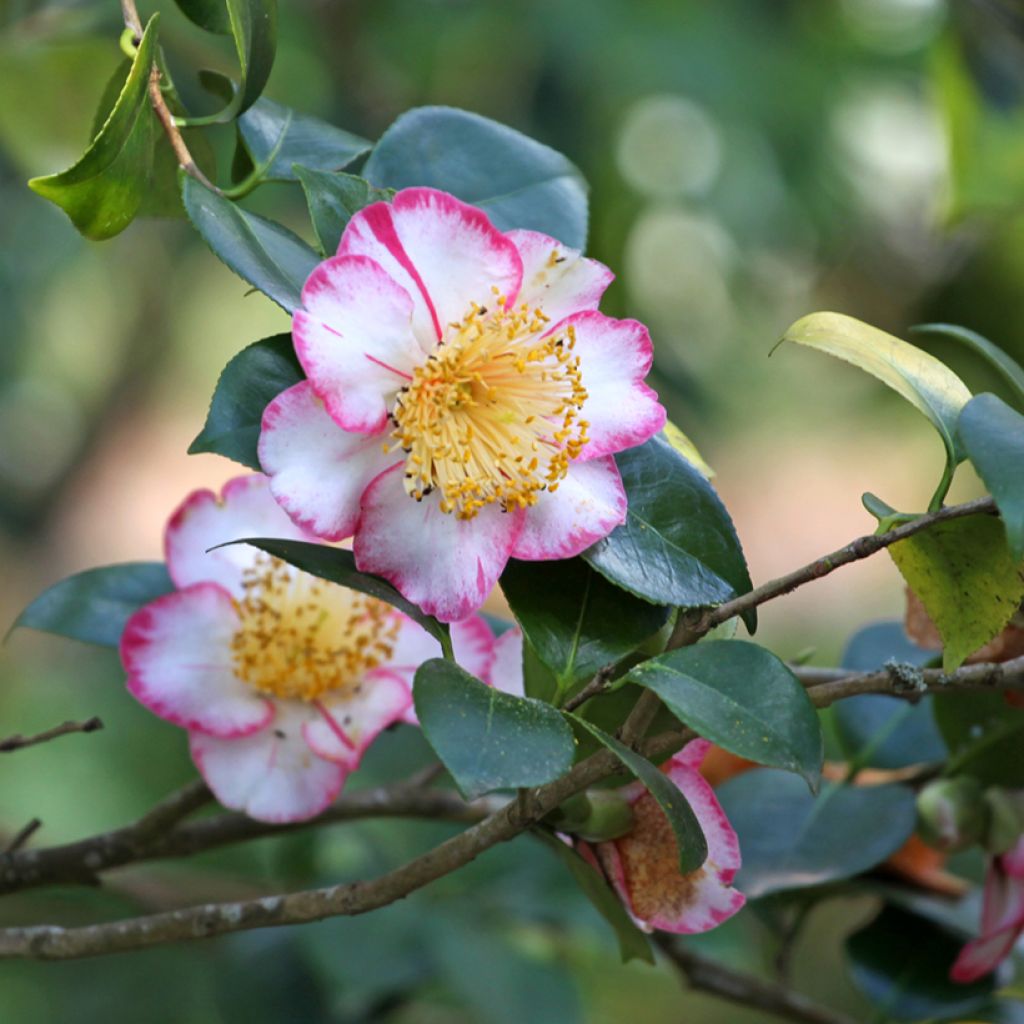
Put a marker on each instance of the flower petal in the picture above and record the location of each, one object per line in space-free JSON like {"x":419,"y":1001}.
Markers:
{"x":983,"y":955}
{"x":557,"y":279}
{"x":318,"y":471}
{"x":245,"y":508}
{"x":272,"y":776}
{"x":444,"y":564}
{"x":588,"y":504}
{"x":444,"y":253}
{"x":507,"y":670}
{"x":615,"y":356}
{"x":354,"y":339}
{"x":177,"y":653}
{"x":347,"y":723}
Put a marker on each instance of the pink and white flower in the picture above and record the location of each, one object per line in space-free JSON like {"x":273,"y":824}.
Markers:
{"x":282,"y":679}
{"x":643,"y":865}
{"x":463,"y":402}
{"x":1002,"y":917}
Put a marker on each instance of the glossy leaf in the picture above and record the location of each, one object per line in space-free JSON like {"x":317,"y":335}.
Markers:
{"x":332,"y":198}
{"x":338,"y":565}
{"x":267,"y":255}
{"x":678,"y":545}
{"x":488,"y":739}
{"x":520,"y":183}
{"x":306,"y":140}
{"x":967,"y":579}
{"x":743,"y":698}
{"x":929,"y":385}
{"x":211,"y":15}
{"x":247,"y":385}
{"x":985,"y":737}
{"x":93,"y":606}
{"x":1010,"y":370}
{"x":576,"y":621}
{"x":992,"y":435}
{"x":792,"y":840}
{"x":901,"y":962}
{"x":633,"y":943}
{"x":881,"y":731}
{"x":105,"y":189}
{"x":693,"y":848}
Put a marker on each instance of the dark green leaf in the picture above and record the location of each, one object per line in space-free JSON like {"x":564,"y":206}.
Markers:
{"x":247,"y":385}
{"x":105,"y":189}
{"x":678,"y":545}
{"x":211,"y":15}
{"x":792,"y":840}
{"x":633,"y":944}
{"x":332,"y":198}
{"x":267,"y":255}
{"x":488,"y":739}
{"x":901,"y":962}
{"x":519,"y":182}
{"x":307,"y":141}
{"x":693,"y":848}
{"x":339,"y":566}
{"x":94,"y":605}
{"x":575,"y":619}
{"x":1011,"y":370}
{"x":993,"y":437}
{"x":880,"y":731}
{"x":985,"y":737}
{"x":743,"y":698}
{"x":538,"y":680}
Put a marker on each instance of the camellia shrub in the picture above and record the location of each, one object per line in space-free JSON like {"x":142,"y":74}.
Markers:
{"x":452,"y":413}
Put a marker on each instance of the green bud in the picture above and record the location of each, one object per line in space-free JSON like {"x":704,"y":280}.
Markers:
{"x":1006,"y":819}
{"x":952,"y":813}
{"x":595,"y":816}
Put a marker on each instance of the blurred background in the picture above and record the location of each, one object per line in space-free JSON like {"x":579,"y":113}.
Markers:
{"x":750,"y":161}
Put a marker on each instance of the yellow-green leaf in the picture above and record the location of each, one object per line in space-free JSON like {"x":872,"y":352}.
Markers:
{"x":687,"y":449}
{"x":929,"y":385}
{"x":967,"y":579}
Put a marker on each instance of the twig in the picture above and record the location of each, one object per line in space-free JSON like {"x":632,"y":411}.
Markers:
{"x":169,"y":811}
{"x":709,"y":976}
{"x":64,"y":729}
{"x":22,"y":836}
{"x":594,"y":688}
{"x":184,"y":157}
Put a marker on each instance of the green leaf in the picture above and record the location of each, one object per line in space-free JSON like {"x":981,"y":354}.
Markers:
{"x":633,"y":943}
{"x":488,"y":739}
{"x":967,"y":579}
{"x":211,"y":15}
{"x":339,"y":566}
{"x":332,"y":198}
{"x":692,"y":846}
{"x":992,"y":435}
{"x":267,"y":255}
{"x":1011,"y":371}
{"x":678,"y":545}
{"x":929,"y":385}
{"x":519,"y":182}
{"x":743,"y":698}
{"x":985,"y":737}
{"x":247,"y":385}
{"x":901,"y":962}
{"x":104,"y":190}
{"x":307,"y":141}
{"x":792,"y":840}
{"x":93,"y":606}
{"x":575,"y":620}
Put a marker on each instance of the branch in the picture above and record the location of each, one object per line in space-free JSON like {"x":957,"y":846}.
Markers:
{"x":706,"y":975}
{"x":64,"y":729}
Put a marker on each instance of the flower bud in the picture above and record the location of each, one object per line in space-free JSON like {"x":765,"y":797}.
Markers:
{"x":595,"y":816}
{"x":1006,"y":819}
{"x":952,"y":813}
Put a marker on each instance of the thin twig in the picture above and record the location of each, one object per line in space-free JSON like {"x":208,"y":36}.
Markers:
{"x":706,"y":975}
{"x":598,"y":685}
{"x":64,"y":729}
{"x":22,"y":836}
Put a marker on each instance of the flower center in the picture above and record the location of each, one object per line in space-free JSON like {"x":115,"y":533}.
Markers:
{"x":493,"y":415}
{"x":301,"y":637}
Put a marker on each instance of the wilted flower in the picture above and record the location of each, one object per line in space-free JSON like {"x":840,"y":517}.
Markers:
{"x":463,"y":401}
{"x":281,"y":679}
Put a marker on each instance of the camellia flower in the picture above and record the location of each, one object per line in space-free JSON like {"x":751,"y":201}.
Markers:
{"x":281,"y":679}
{"x":463,"y":402}
{"x":1002,"y":917}
{"x":643,"y":865}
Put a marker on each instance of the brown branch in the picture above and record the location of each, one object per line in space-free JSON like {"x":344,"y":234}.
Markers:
{"x":706,"y":975}
{"x":598,"y":685}
{"x":64,"y":729}
{"x":23,"y":835}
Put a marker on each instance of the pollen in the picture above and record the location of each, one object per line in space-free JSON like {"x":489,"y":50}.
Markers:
{"x":302,"y":638}
{"x":493,"y":416}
